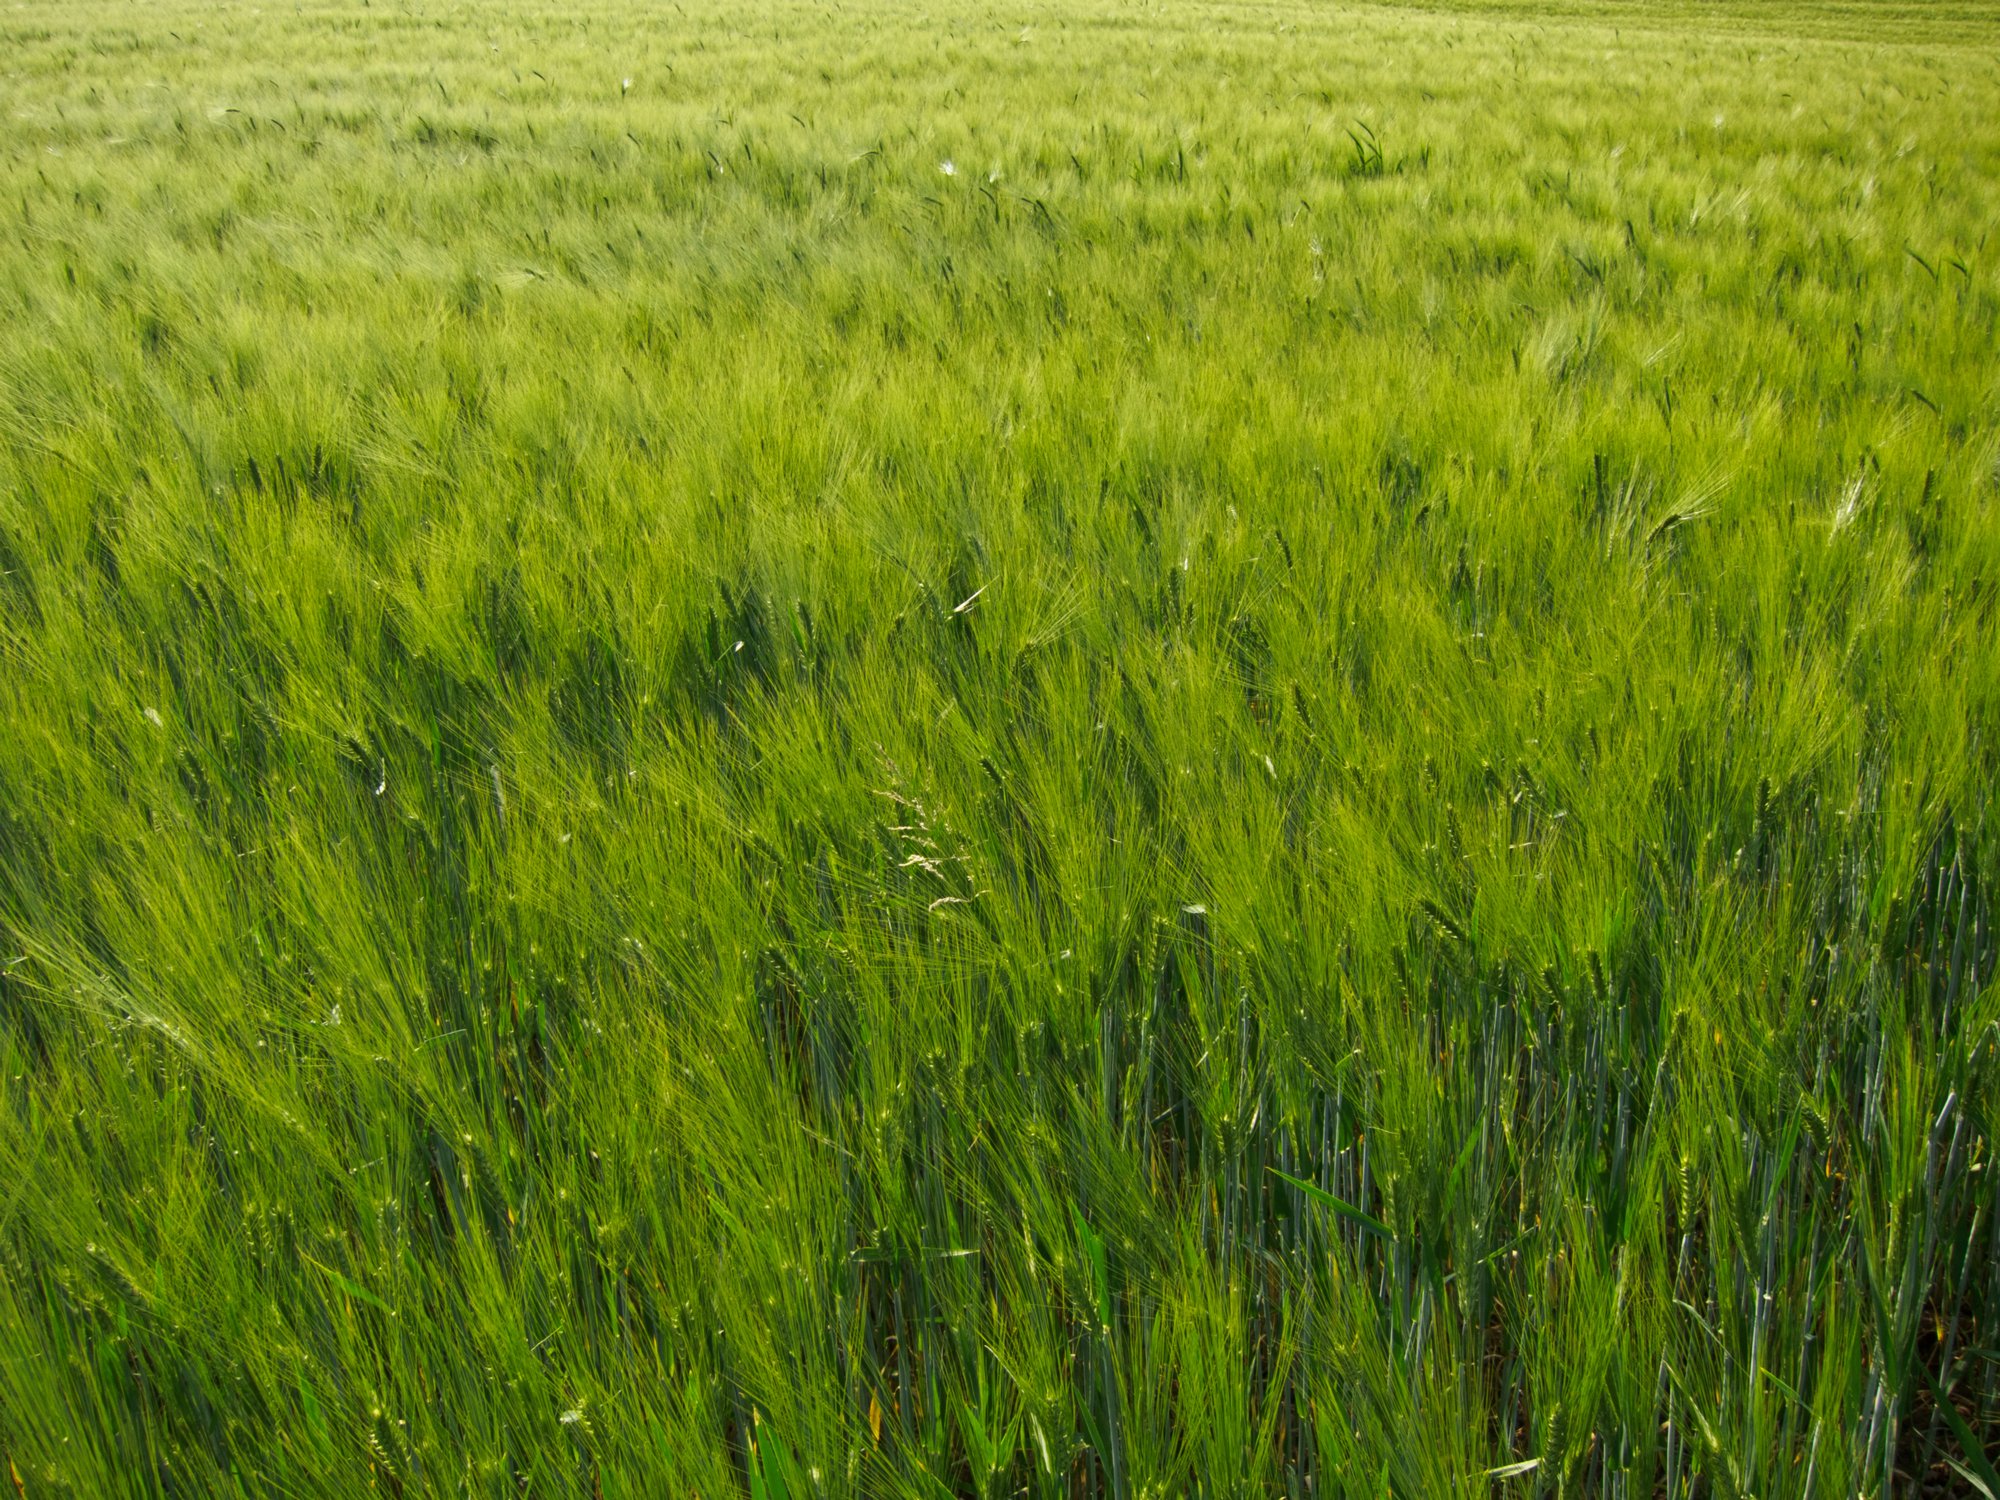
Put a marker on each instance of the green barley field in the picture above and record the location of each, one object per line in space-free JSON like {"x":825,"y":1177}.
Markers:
{"x":1052,"y":749}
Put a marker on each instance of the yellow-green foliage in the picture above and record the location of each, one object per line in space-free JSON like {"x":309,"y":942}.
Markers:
{"x":864,"y":750}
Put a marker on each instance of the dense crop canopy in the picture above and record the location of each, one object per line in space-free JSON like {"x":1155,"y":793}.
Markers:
{"x":852,"y":750}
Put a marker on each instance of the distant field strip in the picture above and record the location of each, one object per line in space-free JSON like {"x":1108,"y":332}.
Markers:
{"x":1190,"y":750}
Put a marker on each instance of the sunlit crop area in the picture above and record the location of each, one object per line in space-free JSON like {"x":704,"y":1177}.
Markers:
{"x":793,"y":750}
